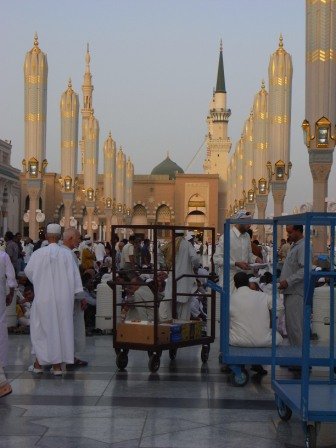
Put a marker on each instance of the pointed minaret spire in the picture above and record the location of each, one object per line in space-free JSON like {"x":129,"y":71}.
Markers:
{"x":220,"y":86}
{"x":36,"y":39}
{"x":87,"y":59}
{"x":280,"y":41}
{"x":69,"y":84}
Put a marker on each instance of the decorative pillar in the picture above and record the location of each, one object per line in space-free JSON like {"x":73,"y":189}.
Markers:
{"x":280,"y":73}
{"x":248,"y":159}
{"x":319,"y":124}
{"x":69,"y":109}
{"x":109,"y":182}
{"x":35,"y":118}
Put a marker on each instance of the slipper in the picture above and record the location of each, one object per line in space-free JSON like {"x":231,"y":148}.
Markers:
{"x":6,"y":389}
{"x":56,"y":372}
{"x":80,"y":363}
{"x":34,"y":369}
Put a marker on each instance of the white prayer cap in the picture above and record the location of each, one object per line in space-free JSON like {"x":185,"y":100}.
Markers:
{"x":106,"y":278}
{"x":254,"y":280}
{"x":87,"y":237}
{"x":318,"y":268}
{"x":321,"y":280}
{"x":179,"y":232}
{"x":54,"y":229}
{"x":242,"y":214}
{"x":190,"y":235}
{"x":145,"y":277}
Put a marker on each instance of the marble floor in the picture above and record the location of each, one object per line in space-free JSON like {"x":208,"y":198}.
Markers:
{"x":185,"y":404}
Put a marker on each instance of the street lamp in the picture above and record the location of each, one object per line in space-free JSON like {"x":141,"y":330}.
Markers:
{"x":33,"y":167}
{"x":250,"y":196}
{"x":322,"y":135}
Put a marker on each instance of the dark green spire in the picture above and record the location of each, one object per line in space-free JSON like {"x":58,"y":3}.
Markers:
{"x":220,"y":86}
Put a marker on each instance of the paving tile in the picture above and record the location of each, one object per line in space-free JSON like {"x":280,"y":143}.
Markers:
{"x":102,"y":429}
{"x":19,"y":426}
{"x":58,"y":386}
{"x":156,"y":424}
{"x":81,"y":411}
{"x":70,"y":442}
{"x":18,"y":441}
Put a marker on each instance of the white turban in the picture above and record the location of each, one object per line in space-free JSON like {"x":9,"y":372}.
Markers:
{"x":54,"y":229}
{"x":242,"y":214}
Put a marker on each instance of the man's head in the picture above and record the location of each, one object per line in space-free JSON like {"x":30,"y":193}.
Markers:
{"x":71,"y":238}
{"x":131,"y":239}
{"x":53,"y":233}
{"x":241,"y":279}
{"x":28,"y":293}
{"x":17,"y":237}
{"x":243,"y":214}
{"x":9,"y":236}
{"x":121,"y":245}
{"x":282,"y":242}
{"x":146,"y":242}
{"x":294,"y":232}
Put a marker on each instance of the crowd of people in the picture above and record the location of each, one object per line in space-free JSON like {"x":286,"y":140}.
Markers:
{"x":54,"y":279}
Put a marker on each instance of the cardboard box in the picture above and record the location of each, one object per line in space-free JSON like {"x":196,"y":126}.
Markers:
{"x":142,"y":333}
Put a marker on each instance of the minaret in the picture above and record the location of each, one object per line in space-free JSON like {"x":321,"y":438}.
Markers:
{"x":218,"y":142}
{"x":35,"y":119}
{"x":319,"y":125}
{"x":87,"y":111}
{"x":260,"y":122}
{"x":109,"y":181}
{"x":280,"y":73}
{"x":69,"y":109}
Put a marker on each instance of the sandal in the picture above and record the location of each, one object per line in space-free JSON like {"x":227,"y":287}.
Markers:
{"x":80,"y":363}
{"x":5,"y":389}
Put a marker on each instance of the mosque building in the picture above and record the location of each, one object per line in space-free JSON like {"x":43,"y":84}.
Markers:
{"x":94,"y":201}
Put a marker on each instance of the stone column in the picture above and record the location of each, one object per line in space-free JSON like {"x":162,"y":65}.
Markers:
{"x":261,"y":200}
{"x":108,"y":223}
{"x":34,"y":191}
{"x":279,"y":193}
{"x":320,"y":168}
{"x":68,"y":199}
{"x":90,"y":211}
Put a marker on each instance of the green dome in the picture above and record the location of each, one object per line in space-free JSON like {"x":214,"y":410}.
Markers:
{"x":167,"y":167}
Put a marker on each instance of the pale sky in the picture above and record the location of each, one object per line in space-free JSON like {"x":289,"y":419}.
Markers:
{"x":154,"y":65}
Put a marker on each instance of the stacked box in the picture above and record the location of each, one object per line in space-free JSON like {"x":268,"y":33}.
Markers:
{"x":142,"y":333}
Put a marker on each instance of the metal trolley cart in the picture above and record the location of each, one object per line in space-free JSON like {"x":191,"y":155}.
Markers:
{"x":313,"y":399}
{"x":155,"y":337}
{"x":236,"y":357}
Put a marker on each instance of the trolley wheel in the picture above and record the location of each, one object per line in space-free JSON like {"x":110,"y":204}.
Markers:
{"x":284,"y":411}
{"x":205,"y":353}
{"x":123,"y":350}
{"x":241,"y":379}
{"x":122,"y":360}
{"x":154,"y":363}
{"x":310,"y":437}
{"x":172,"y":353}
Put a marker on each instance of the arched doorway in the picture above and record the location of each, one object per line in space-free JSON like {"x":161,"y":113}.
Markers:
{"x":163,"y":218}
{"x":139,"y":215}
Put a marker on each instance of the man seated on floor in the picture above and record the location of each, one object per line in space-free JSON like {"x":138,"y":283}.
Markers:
{"x":249,"y":315}
{"x":250,"y":318}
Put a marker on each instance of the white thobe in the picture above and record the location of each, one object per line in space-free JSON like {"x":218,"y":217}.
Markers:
{"x":99,"y":251}
{"x":56,"y":280}
{"x":78,"y":314}
{"x":240,"y":250}
{"x":7,"y":275}
{"x":186,"y":260}
{"x":144,"y":309}
{"x":250,"y":319}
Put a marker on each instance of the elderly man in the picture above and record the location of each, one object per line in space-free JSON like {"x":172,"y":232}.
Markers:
{"x":56,"y":280}
{"x":292,"y":284}
{"x":71,"y":238}
{"x":240,"y":249}
{"x":7,"y":275}
{"x":186,"y":262}
{"x":143,"y":297}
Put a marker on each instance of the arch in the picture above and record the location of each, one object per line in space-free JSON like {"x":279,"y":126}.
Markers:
{"x":139,"y":215}
{"x":163,"y":217}
{"x":196,"y":218}
{"x":196,"y":201}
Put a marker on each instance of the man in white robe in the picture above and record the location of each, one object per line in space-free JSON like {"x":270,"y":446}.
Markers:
{"x":71,"y":238}
{"x":7,"y":275}
{"x":56,"y":280}
{"x":186,"y":262}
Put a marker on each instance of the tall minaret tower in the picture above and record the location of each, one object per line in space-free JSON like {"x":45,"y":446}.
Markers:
{"x":218,"y":142}
{"x":69,"y":109}
{"x":87,"y":111}
{"x":109,"y":181}
{"x":320,"y":120}
{"x":35,"y":119}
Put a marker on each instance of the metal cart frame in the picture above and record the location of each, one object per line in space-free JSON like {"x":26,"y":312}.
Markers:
{"x":155,"y":350}
{"x":314,"y":401}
